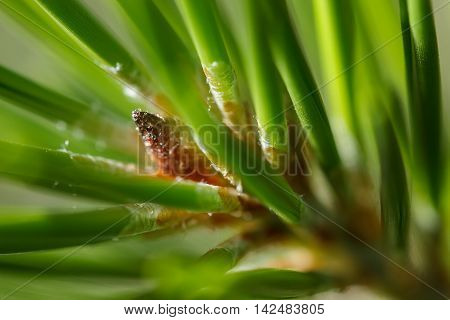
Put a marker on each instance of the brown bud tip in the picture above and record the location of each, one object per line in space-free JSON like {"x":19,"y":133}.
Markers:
{"x":147,"y":122}
{"x":136,"y":114}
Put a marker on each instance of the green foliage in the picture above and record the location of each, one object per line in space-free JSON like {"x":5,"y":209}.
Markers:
{"x":304,"y":93}
{"x":424,"y":91}
{"x":73,"y":15}
{"x":89,"y":222}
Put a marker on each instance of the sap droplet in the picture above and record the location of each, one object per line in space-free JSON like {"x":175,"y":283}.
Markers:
{"x":114,"y":69}
{"x":130,"y":91}
{"x":239,"y":187}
